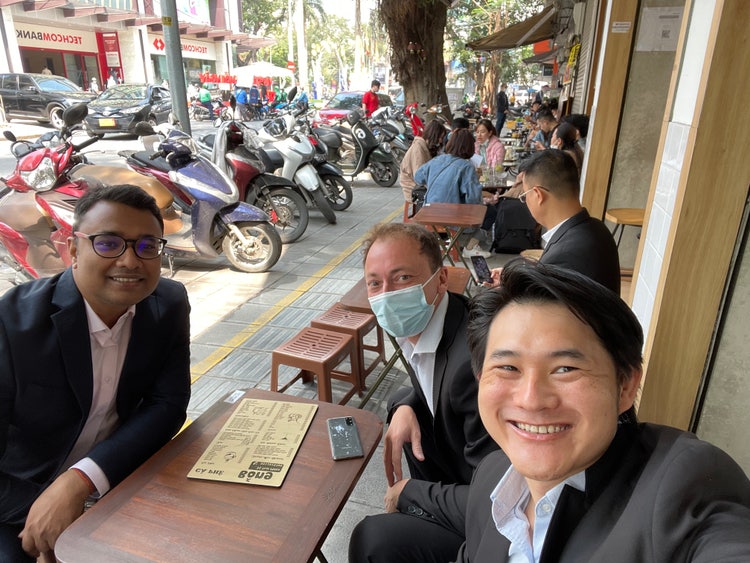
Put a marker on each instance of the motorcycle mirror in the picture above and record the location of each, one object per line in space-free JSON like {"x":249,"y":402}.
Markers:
{"x":75,"y":114}
{"x":232,"y":102}
{"x":144,"y":129}
{"x":10,"y":136}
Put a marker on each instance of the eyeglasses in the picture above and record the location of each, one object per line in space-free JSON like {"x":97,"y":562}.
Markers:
{"x":114,"y":246}
{"x":522,"y":197}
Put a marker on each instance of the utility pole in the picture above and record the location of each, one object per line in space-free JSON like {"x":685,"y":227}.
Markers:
{"x":173,"y":50}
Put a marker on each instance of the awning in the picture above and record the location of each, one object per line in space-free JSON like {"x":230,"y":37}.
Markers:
{"x":536,"y":28}
{"x":548,"y":57}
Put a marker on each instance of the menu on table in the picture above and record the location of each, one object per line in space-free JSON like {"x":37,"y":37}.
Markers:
{"x":257,"y":444}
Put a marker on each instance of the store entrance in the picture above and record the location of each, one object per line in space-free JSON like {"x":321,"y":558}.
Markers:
{"x":76,"y":67}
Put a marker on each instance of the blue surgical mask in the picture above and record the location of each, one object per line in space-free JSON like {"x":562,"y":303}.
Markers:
{"x":403,"y":312}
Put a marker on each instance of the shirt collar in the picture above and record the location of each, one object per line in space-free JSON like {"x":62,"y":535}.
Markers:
{"x":98,"y":328}
{"x":546,"y":237}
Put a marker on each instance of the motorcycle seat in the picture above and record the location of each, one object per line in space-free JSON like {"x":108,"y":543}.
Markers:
{"x":116,"y":175}
{"x":207,"y":140}
{"x":144,"y":157}
{"x":331,"y":138}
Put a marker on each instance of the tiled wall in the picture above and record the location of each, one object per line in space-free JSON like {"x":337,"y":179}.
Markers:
{"x":659,"y":221}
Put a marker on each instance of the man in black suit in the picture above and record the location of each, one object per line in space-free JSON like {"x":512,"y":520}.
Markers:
{"x":94,"y":371}
{"x":435,"y":423}
{"x":573,"y":239}
{"x":558,"y":359}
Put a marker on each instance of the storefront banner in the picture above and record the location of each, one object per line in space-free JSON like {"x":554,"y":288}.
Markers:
{"x":190,"y":49}
{"x":40,"y":36}
{"x":189,"y":11}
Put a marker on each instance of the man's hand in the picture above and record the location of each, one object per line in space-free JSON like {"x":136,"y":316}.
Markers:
{"x":403,"y":428}
{"x":495,"y":276}
{"x":392,"y":494}
{"x":55,"y":509}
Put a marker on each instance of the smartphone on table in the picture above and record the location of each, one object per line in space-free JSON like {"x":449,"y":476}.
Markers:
{"x":482,"y":269}
{"x":344,"y":437}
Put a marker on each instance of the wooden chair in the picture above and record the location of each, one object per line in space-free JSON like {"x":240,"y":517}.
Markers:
{"x":458,"y":280}
{"x":316,"y":352}
{"x":358,"y":326}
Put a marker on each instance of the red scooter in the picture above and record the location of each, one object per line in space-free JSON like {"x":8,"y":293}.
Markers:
{"x":38,"y":199}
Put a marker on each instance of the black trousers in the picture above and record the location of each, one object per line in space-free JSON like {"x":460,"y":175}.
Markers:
{"x":10,"y":546}
{"x":402,"y":538}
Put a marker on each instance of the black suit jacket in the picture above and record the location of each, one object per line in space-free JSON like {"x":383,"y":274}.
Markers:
{"x":657,"y":495}
{"x":585,"y":245}
{"x":457,"y":432}
{"x":46,"y":385}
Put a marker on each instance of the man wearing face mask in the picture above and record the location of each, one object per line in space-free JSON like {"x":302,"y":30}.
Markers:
{"x":435,"y":423}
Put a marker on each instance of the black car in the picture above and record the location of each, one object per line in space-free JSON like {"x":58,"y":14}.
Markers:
{"x":119,"y":108}
{"x":39,"y":96}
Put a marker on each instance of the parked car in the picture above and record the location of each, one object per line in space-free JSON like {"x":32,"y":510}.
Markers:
{"x":119,"y":108}
{"x":39,"y":96}
{"x":342,"y":103}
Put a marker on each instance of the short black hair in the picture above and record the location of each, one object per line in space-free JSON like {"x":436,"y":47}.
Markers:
{"x":530,"y":282}
{"x":555,"y":170}
{"x":580,"y":121}
{"x":374,"y":83}
{"x":459,"y":123}
{"x":127,"y":194}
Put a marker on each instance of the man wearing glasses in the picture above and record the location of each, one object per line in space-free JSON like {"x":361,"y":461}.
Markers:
{"x":573,"y":239}
{"x":94,"y":371}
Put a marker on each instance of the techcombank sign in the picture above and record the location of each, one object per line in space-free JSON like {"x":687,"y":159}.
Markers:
{"x":41,"y":36}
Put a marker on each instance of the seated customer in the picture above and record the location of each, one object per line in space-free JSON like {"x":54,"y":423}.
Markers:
{"x":565,"y":138}
{"x":421,"y":150}
{"x":434,"y":425}
{"x":450,"y":177}
{"x":581,"y":122}
{"x":488,"y":145}
{"x":573,"y":239}
{"x":558,"y":359}
{"x":94,"y":371}
{"x":547,"y":123}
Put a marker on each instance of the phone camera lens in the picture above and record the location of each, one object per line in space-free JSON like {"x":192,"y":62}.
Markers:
{"x":349,"y":420}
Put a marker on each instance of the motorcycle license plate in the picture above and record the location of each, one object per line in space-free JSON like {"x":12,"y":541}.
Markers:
{"x":107,"y":122}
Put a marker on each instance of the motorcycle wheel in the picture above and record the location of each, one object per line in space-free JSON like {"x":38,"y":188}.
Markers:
{"x":384,"y":174}
{"x":288,"y":214}
{"x":261,"y":252}
{"x":338,"y":192}
{"x":324,"y":206}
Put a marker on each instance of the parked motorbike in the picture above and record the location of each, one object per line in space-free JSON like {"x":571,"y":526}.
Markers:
{"x":357,"y":150}
{"x":278,"y":197}
{"x":417,"y":125}
{"x":291,"y":153}
{"x":206,"y":216}
{"x":338,"y":191}
{"x":388,"y":129}
{"x":38,"y":198}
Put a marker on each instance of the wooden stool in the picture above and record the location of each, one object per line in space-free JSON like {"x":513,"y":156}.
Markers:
{"x":532,"y":253}
{"x":356,"y":325}
{"x":622,"y":216}
{"x":316,"y":352}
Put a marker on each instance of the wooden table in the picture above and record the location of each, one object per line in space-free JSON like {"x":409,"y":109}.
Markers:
{"x":447,"y":215}
{"x":622,"y":216}
{"x":158,"y":514}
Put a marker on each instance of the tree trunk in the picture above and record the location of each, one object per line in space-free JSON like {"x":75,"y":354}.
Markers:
{"x":422,"y":24}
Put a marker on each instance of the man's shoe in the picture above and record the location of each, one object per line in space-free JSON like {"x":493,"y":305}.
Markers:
{"x":476,"y":251}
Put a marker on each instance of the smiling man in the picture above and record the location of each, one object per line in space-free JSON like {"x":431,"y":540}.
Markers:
{"x":558,"y":359}
{"x":94,"y":371}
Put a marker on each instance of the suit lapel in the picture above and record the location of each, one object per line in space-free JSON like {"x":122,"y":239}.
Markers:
{"x":450,"y":327}
{"x":71,"y":325}
{"x":576,"y":219}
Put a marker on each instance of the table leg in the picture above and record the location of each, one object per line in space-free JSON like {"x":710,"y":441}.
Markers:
{"x":381,"y":376}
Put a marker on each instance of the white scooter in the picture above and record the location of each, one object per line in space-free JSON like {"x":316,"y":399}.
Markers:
{"x":282,"y":148}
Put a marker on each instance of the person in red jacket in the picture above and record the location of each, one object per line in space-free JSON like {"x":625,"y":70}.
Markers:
{"x":370,"y":100}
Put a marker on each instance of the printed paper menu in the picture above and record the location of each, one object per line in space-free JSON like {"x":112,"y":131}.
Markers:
{"x":257,"y":444}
